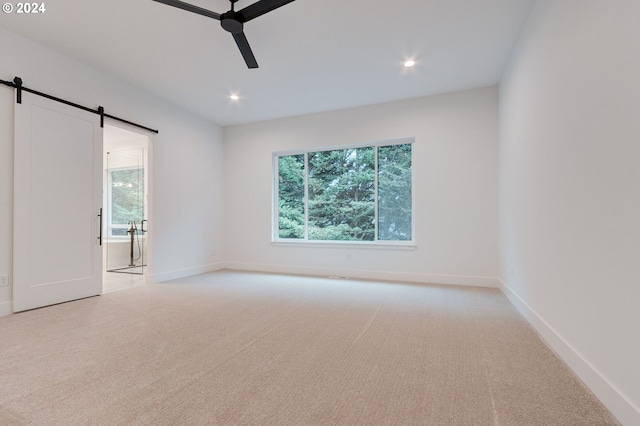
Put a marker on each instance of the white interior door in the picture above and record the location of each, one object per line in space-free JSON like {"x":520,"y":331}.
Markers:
{"x":57,"y":202}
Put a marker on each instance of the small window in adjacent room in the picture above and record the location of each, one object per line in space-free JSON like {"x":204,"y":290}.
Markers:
{"x":348,"y":194}
{"x":125,"y":199}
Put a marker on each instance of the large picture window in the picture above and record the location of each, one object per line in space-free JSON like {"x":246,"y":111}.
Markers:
{"x":359,"y":194}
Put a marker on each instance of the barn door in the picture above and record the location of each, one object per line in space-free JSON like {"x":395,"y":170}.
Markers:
{"x":57,"y":203}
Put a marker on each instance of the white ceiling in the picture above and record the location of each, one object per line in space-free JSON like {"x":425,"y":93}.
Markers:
{"x":314,"y":55}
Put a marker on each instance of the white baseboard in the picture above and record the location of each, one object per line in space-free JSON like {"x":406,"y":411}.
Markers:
{"x":186,"y":272}
{"x":620,"y":406}
{"x":6,"y":308}
{"x":368,"y":274}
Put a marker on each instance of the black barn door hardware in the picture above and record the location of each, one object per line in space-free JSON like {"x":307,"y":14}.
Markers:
{"x":17,"y":84}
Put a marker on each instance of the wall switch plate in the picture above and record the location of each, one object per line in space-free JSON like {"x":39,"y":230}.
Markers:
{"x":4,"y":280}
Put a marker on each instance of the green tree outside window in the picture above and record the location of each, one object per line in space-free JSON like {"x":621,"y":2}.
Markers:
{"x":341,"y":188}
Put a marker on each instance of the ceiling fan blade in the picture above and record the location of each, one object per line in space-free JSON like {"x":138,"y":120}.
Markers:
{"x":245,"y":49}
{"x":191,"y":8}
{"x":260,"y":8}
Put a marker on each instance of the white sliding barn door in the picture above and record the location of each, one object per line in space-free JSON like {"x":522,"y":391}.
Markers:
{"x":57,"y":202}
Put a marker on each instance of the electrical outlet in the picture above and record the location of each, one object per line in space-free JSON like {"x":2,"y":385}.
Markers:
{"x":4,"y":280}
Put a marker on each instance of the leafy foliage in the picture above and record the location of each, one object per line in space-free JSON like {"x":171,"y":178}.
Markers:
{"x":291,"y":196}
{"x":394,"y":192}
{"x":342,"y":195}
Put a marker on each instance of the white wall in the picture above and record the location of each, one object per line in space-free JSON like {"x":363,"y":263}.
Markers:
{"x":569,"y":189}
{"x":187,"y":157}
{"x":455,"y":160}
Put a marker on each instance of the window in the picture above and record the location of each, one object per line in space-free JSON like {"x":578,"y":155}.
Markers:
{"x":126,"y":203}
{"x":358,"y":194}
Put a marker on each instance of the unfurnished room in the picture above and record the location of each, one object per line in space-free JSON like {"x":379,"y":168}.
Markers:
{"x":303,"y":212}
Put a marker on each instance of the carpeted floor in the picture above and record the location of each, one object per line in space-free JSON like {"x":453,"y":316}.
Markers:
{"x":260,"y":349}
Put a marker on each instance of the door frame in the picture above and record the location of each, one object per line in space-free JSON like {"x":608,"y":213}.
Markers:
{"x":148,"y":270}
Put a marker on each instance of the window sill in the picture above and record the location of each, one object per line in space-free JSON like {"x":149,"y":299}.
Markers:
{"x":347,"y":244}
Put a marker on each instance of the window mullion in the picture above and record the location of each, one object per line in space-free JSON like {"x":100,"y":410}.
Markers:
{"x":275,"y":223}
{"x":375,"y":205}
{"x":306,"y":196}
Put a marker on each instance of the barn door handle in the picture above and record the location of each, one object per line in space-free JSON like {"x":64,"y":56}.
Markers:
{"x":100,"y":234}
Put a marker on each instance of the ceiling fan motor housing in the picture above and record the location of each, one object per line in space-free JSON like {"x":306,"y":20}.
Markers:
{"x":232,"y":22}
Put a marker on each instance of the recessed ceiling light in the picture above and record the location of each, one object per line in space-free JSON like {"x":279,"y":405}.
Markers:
{"x":234,"y":97}
{"x":409,"y":63}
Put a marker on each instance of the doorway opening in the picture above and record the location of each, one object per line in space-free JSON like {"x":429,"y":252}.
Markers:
{"x":126,"y":208}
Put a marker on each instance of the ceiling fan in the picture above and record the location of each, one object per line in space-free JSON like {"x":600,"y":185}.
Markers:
{"x":233,"y":21}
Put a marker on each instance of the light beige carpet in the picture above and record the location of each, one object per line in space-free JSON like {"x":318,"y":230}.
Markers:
{"x":241,"y":348}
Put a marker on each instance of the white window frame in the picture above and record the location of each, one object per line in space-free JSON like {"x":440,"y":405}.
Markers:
{"x":305,"y":242}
